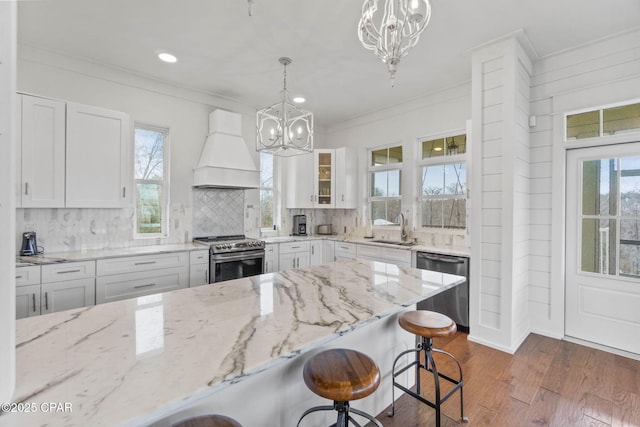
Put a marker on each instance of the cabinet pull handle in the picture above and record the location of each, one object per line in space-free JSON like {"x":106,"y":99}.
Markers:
{"x":46,"y":301}
{"x":313,"y":250}
{"x":266,"y":266}
{"x":144,"y":263}
{"x":26,"y":188}
{"x":144,"y":286}
{"x":68,"y":271}
{"x":124,"y":192}
{"x":311,"y":200}
{"x":294,"y":263}
{"x":343,"y":197}
{"x":206,"y":276}
{"x":33,"y":299}
{"x":19,"y":277}
{"x":295,"y":247}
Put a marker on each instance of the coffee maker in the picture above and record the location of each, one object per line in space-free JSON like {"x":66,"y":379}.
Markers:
{"x":29,"y":244}
{"x":299,"y":225}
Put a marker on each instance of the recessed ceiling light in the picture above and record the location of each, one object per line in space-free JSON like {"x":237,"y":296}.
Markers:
{"x":437,"y":149}
{"x":298,"y":99}
{"x":167,"y":57}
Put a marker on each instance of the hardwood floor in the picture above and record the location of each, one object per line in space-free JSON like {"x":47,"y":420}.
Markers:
{"x":547,"y":382}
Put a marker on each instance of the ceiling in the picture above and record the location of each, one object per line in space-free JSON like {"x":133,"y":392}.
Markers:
{"x":223,"y":51}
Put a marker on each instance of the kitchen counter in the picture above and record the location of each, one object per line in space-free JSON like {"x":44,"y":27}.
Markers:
{"x":135,"y":361}
{"x":90,"y":255}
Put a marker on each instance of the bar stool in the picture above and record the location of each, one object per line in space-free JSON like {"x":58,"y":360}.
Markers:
{"x":208,"y":421}
{"x":427,"y":325}
{"x":341,"y":375}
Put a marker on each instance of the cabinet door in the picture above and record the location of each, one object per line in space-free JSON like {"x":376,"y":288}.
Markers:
{"x":27,"y":301}
{"x":303,"y":259}
{"x":346,"y":178}
{"x":42,"y":153}
{"x":328,"y":251}
{"x":67,"y":295}
{"x":98,"y":152}
{"x":270,"y":264}
{"x":300,"y":190}
{"x":198,"y":275}
{"x":130,"y":285}
{"x":315,"y":252}
{"x":288,"y":261}
{"x":325,"y":175}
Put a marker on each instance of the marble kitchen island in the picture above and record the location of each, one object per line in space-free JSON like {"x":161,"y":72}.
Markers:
{"x":236,"y":347}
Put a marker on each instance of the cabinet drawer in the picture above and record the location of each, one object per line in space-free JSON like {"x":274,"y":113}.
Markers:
{"x":68,"y":271}
{"x":293,"y":247}
{"x":122,"y":286}
{"x":271,"y":249}
{"x":134,"y":264}
{"x":28,"y":275}
{"x":345,"y":249}
{"x":368,"y":251}
{"x":396,"y":256}
{"x":199,"y":257}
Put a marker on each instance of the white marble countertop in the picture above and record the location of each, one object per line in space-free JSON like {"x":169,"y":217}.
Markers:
{"x":89,"y":255}
{"x":127,"y":361}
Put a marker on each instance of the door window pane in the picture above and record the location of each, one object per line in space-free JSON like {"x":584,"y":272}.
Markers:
{"x":583,"y":125}
{"x":630,"y":186}
{"x":599,"y":246}
{"x":630,"y":247}
{"x":599,"y":193}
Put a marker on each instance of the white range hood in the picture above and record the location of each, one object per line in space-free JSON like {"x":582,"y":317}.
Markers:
{"x":225,"y":161}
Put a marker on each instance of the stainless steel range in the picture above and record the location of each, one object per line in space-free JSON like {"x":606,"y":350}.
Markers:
{"x":233,"y":257}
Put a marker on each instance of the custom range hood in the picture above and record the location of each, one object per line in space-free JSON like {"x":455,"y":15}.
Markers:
{"x":225,"y":161}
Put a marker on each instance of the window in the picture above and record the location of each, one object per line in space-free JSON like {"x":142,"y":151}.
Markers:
{"x":444,"y":182}
{"x":151,"y":180}
{"x":266,"y":191}
{"x":603,"y":122}
{"x":385,"y":177}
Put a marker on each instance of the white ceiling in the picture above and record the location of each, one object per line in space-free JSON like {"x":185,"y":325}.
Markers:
{"x":222,"y":50}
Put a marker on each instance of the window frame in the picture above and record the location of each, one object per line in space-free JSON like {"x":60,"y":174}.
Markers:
{"x":600,"y":109}
{"x":165,"y":182}
{"x":383,"y":168}
{"x":444,"y":160}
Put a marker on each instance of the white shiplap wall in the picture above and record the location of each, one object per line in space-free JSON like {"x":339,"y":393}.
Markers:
{"x":602,"y":72}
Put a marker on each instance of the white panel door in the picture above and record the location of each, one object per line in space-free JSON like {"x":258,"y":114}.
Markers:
{"x":300,"y":178}
{"x":98,"y":158}
{"x":42,"y":152}
{"x":603,"y":246}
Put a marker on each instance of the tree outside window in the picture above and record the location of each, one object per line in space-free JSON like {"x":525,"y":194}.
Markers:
{"x":151,"y":182}
{"x":266,"y":191}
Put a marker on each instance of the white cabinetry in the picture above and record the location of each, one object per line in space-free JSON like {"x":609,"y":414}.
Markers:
{"x":294,"y":255}
{"x":315,"y":252}
{"x":344,"y":250}
{"x":271,"y":258}
{"x":98,"y":152}
{"x":64,"y":286}
{"x":328,"y":251}
{"x":42,"y":153}
{"x":198,"y":268}
{"x":325,"y":179}
{"x":128,"y":277}
{"x":400,"y":257}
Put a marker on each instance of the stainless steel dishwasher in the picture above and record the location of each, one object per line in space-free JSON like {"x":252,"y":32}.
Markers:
{"x":454,"y":302}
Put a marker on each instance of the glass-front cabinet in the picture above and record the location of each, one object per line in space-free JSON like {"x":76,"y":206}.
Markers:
{"x":325,"y":177}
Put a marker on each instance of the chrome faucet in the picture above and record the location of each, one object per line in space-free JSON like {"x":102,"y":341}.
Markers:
{"x":403,"y":231}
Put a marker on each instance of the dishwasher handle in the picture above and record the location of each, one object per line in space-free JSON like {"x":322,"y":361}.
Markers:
{"x":450,"y":260}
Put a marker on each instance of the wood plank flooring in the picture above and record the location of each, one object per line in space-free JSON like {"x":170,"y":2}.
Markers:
{"x":547,"y":382}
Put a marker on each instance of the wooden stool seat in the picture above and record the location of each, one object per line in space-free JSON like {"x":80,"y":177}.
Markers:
{"x":427,"y":324}
{"x":208,"y":421}
{"x":341,"y":374}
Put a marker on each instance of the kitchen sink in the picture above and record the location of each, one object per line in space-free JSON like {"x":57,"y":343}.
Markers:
{"x":394,"y":242}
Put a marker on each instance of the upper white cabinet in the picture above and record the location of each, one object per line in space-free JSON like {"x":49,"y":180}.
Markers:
{"x":325,"y":179}
{"x":98,"y":152}
{"x":42,"y":153}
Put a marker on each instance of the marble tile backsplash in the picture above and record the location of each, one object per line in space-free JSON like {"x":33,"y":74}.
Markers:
{"x":218,"y":212}
{"x":65,"y":229}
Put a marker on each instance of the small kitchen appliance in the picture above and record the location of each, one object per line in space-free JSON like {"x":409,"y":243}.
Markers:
{"x":29,"y":244}
{"x":324,"y":229}
{"x":299,"y":225}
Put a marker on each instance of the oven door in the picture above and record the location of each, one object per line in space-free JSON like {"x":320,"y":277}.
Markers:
{"x":236,"y":265}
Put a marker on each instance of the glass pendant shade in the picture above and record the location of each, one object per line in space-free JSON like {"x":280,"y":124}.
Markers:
{"x":392,"y":30}
{"x":284,"y":129}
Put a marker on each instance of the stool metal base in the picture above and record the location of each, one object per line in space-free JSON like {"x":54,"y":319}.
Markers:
{"x":344,"y":417}
{"x":426,"y":346}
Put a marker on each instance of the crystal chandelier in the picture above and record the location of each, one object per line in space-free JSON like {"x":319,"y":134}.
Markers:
{"x":393,"y":30}
{"x":284,"y":129}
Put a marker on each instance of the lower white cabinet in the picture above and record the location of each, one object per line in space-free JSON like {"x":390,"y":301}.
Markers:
{"x":294,"y":255}
{"x":400,"y":257}
{"x":271,"y":258}
{"x":54,"y":287}
{"x":315,"y":252}
{"x":344,"y":250}
{"x":328,"y":251}
{"x":134,"y":276}
{"x":198,"y":268}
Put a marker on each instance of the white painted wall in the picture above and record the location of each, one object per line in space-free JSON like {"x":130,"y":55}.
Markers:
{"x":7,"y":198}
